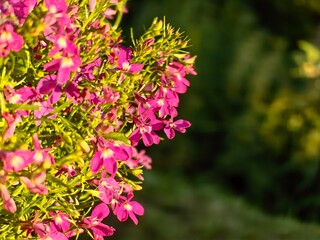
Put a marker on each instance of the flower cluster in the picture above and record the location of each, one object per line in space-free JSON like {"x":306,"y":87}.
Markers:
{"x":77,"y":105}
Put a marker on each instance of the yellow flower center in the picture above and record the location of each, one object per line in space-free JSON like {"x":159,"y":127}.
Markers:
{"x":128,"y":207}
{"x":16,"y":161}
{"x":15,"y":98}
{"x":66,"y":62}
{"x":62,"y":42}
{"x":58,"y":219}
{"x":107,"y":153}
{"x":6,"y":37}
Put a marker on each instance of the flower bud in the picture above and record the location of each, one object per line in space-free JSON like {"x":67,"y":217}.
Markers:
{"x":84,"y":146}
{"x":8,"y":203}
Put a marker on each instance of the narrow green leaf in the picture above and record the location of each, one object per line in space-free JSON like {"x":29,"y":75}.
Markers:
{"x":62,"y":106}
{"x":22,"y":106}
{"x":118,"y":136}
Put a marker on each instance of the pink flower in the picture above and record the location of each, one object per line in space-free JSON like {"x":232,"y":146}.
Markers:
{"x":167,"y":101}
{"x":175,"y":77}
{"x":107,"y":157}
{"x":12,"y":121}
{"x":73,"y":92}
{"x":22,"y":8}
{"x":49,"y":84}
{"x":70,"y":61}
{"x":22,"y":95}
{"x":45,"y":233}
{"x":145,"y":129}
{"x":109,"y":95}
{"x":9,"y":40}
{"x":146,"y":106}
{"x":60,"y":222}
{"x":109,"y":13}
{"x":92,"y":5}
{"x":94,"y":222}
{"x":87,"y":70}
{"x":62,"y":43}
{"x":45,"y":109}
{"x":36,"y":183}
{"x":124,"y":57}
{"x":67,"y":169}
{"x":8,"y":202}
{"x":56,"y":6}
{"x":179,"y":125}
{"x":139,"y":159}
{"x":41,"y":155}
{"x":109,"y":189}
{"x":189,"y":67}
{"x":164,"y":104}
{"x":130,"y":209}
{"x":16,"y":161}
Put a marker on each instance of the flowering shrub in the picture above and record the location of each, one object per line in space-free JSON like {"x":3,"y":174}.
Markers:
{"x":75,"y":104}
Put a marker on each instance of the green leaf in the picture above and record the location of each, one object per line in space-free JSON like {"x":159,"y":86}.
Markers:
{"x":22,"y":106}
{"x":57,"y":181}
{"x":62,"y":106}
{"x":118,"y":136}
{"x":17,"y":191}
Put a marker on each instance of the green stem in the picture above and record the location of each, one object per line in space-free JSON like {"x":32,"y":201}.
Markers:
{"x":3,"y":107}
{"x":121,"y":5}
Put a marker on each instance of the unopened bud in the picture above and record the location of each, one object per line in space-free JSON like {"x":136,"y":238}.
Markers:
{"x":84,"y":146}
{"x":46,"y":164}
{"x":67,"y":139}
{"x":158,"y":26}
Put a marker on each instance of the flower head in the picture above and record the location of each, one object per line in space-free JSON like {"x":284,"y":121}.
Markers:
{"x":129,"y":208}
{"x":17,"y":160}
{"x":107,"y":158}
{"x":8,"y":202}
{"x":94,"y":222}
{"x":9,"y":40}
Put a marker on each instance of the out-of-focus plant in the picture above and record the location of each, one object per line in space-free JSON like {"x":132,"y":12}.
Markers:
{"x":75,"y":104}
{"x":255,"y":115}
{"x":294,"y":113}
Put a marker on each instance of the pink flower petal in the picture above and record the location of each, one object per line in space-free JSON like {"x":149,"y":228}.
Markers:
{"x":101,"y":211}
{"x":96,"y":162}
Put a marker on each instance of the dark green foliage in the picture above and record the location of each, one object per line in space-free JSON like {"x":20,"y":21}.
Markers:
{"x":180,"y":209}
{"x":255,"y":124}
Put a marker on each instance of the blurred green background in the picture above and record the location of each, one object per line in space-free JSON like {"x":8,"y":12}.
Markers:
{"x":248,"y":168}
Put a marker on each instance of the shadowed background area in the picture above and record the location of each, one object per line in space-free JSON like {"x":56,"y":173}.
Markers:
{"x":248,"y":168}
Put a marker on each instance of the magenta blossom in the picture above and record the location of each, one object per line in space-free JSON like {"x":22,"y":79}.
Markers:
{"x":145,"y":129}
{"x":12,"y":121}
{"x":41,"y":155}
{"x":109,"y":95}
{"x":94,"y":222}
{"x":60,"y":222}
{"x":9,"y":40}
{"x":16,"y":161}
{"x":56,"y":6}
{"x":23,"y":8}
{"x":8,"y":202}
{"x":107,"y":158}
{"x":49,"y":85}
{"x":109,"y":189}
{"x":179,"y":125}
{"x":22,"y":95}
{"x":139,"y":159}
{"x":62,"y":43}
{"x":175,"y":77}
{"x":124,"y":57}
{"x":45,"y":233}
{"x":64,"y":65}
{"x":36,"y":183}
{"x":129,"y":208}
{"x":45,"y":108}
